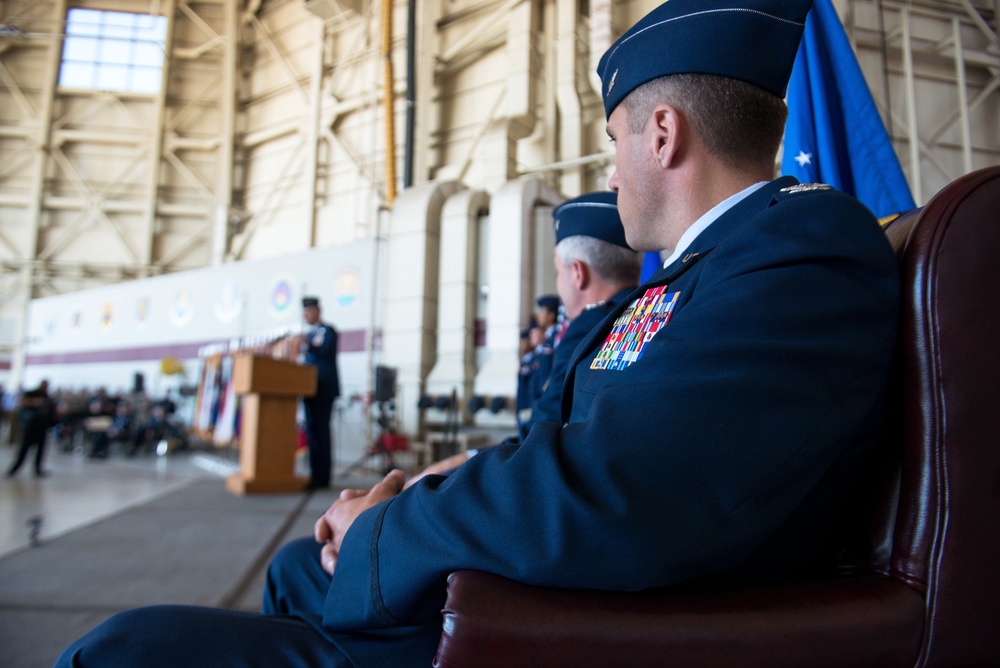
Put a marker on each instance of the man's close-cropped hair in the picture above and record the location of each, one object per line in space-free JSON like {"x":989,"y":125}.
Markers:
{"x":739,"y":123}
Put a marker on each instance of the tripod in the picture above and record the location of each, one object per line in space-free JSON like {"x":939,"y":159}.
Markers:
{"x":384,"y":443}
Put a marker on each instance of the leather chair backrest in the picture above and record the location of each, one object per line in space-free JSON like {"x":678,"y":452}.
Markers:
{"x":938,"y":532}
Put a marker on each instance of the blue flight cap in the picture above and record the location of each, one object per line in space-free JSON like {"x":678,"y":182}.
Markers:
{"x":310,"y":301}
{"x":592,"y":215}
{"x":750,"y":40}
{"x":551,"y":302}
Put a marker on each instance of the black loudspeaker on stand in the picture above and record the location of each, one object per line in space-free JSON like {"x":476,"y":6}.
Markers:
{"x":385,"y":384}
{"x":385,"y":393}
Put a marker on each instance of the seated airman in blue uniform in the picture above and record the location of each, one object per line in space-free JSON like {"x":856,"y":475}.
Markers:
{"x":710,"y":424}
{"x":537,"y":365}
{"x":522,"y":399}
{"x":595,"y":271}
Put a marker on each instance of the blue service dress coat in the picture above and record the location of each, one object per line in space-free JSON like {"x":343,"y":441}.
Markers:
{"x":714,"y":436}
{"x":709,"y":427}
{"x":542,"y":365}
{"x":548,"y":407}
{"x":321,"y":351}
{"x":533,"y":378}
{"x":525,"y":398}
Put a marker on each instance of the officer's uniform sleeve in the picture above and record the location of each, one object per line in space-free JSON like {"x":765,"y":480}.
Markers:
{"x":325,"y":348}
{"x":686,"y":461}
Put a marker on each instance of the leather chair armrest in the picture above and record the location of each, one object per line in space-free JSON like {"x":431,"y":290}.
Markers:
{"x":869,"y":620}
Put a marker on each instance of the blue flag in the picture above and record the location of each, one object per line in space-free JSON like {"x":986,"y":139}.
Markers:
{"x":834,"y":134}
{"x":651,"y":261}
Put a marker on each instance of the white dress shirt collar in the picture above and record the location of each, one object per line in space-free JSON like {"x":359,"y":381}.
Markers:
{"x":713,"y":214}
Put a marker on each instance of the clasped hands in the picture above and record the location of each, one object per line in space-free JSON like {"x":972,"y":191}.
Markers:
{"x":333,"y":525}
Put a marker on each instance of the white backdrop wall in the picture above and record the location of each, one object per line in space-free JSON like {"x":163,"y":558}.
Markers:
{"x":102,"y":337}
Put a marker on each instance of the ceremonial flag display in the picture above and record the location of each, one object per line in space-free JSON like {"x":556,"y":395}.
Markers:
{"x":834,"y":134}
{"x":651,"y":261}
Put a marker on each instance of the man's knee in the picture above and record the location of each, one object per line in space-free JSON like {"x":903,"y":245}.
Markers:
{"x":296,"y":581}
{"x":293,"y":558}
{"x":130,"y":638}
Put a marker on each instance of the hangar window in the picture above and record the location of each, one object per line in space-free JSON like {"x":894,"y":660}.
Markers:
{"x":113,"y":51}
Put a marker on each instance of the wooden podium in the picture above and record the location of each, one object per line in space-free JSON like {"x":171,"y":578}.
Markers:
{"x":270,"y":389}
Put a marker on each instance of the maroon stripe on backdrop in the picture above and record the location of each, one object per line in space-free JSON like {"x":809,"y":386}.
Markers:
{"x":351,"y":341}
{"x":480,"y":333}
{"x":180,"y":351}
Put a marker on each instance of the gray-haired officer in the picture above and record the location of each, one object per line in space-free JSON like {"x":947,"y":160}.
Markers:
{"x":715,"y":418}
{"x":595,"y":271}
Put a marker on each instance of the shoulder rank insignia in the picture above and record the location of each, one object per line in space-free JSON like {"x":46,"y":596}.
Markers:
{"x":634,"y":328}
{"x":804,"y":188}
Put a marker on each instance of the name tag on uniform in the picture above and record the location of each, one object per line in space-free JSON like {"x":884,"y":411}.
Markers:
{"x":634,"y":328}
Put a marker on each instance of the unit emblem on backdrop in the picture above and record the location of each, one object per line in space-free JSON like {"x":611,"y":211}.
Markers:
{"x":281,"y":295}
{"x":346,"y":287}
{"x":182,"y":310}
{"x":142,"y":311}
{"x":107,"y":315}
{"x":228,"y":301}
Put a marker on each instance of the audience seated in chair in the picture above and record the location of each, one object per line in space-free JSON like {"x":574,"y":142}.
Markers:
{"x":912,"y":577}
{"x":120,"y":430}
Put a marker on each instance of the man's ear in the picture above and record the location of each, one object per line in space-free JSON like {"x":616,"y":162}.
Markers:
{"x":581,"y":275}
{"x":667,"y":129}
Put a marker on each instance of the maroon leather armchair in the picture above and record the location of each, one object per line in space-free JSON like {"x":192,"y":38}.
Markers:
{"x":921,"y":539}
